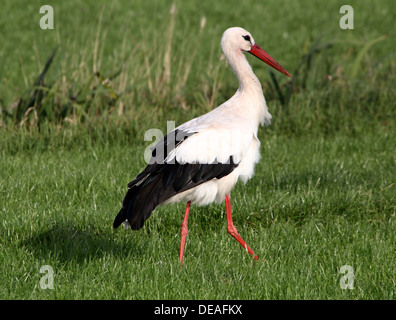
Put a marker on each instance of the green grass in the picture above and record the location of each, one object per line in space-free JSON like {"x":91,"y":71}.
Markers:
{"x":323,"y":195}
{"x":310,"y":209}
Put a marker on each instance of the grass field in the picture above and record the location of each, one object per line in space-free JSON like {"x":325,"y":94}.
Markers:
{"x":72,"y":137}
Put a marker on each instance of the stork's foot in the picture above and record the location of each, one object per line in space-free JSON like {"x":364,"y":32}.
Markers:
{"x":233,"y":231}
{"x":183,"y":234}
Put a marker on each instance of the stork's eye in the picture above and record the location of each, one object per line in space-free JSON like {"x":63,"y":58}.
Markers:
{"x":247,"y":38}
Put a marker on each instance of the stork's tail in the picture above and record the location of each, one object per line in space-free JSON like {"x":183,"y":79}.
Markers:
{"x":132,"y":212}
{"x":122,"y":216}
{"x":142,"y":198}
{"x":159,"y":182}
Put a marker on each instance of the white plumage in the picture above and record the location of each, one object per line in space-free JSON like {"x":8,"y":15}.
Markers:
{"x":220,"y":148}
{"x":229,"y":130}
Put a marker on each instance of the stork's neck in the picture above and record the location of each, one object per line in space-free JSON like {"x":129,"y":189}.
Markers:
{"x":247,"y":79}
{"x":250,"y":95}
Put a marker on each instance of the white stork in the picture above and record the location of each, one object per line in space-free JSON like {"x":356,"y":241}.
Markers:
{"x":201,"y":160}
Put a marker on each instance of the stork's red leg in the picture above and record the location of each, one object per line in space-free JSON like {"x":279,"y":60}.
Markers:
{"x":184,"y":232}
{"x":233,"y":231}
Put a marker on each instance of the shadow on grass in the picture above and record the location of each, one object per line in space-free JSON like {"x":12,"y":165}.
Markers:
{"x":68,"y":243}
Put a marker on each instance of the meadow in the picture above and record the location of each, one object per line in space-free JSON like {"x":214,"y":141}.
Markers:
{"x":76,"y":101}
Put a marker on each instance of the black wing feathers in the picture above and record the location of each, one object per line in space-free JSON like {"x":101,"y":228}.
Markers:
{"x":160,"y":181}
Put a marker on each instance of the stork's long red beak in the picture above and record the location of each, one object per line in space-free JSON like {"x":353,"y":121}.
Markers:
{"x":264,"y":56}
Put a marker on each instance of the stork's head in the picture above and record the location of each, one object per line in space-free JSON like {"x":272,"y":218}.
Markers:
{"x":238,"y":39}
